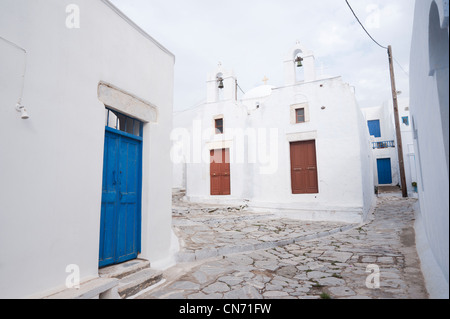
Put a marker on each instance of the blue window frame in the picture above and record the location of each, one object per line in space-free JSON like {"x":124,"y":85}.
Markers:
{"x":374,"y":128}
{"x":405,"y":120}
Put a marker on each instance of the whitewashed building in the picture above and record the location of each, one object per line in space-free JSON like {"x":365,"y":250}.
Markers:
{"x":300,"y":149}
{"x":429,"y":99}
{"x":381,"y":125}
{"x":69,"y":177}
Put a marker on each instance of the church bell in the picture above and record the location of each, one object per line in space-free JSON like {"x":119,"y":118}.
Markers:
{"x":220,"y":83}
{"x":299,"y":60}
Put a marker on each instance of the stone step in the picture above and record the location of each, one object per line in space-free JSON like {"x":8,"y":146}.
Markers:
{"x":138,"y":281}
{"x":178,"y":191}
{"x":133,"y":276}
{"x":124,"y":269}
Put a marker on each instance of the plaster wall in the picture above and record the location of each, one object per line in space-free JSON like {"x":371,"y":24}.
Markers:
{"x":429,"y":110}
{"x":51,"y":164}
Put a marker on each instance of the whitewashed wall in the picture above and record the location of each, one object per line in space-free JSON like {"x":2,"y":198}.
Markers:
{"x":387,"y":129}
{"x":409,"y":154}
{"x":51,"y":164}
{"x":429,"y":81}
{"x":338,"y":150}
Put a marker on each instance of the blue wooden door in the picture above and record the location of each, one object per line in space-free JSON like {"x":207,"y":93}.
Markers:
{"x":384,"y":171}
{"x":120,"y":231}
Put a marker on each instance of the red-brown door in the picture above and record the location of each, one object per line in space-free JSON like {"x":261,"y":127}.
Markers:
{"x":220,"y":172}
{"x":304,"y":168}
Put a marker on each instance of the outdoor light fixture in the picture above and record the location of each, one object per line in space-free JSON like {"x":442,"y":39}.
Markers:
{"x":23,"y":111}
{"x":220,"y":80}
{"x":299,"y":60}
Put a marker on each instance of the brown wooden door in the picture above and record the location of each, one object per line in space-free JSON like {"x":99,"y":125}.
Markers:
{"x":304,"y":168}
{"x":220,"y":172}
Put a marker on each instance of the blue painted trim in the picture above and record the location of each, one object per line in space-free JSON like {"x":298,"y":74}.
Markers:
{"x":128,"y":135}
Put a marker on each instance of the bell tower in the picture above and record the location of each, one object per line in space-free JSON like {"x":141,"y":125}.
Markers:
{"x":220,"y":85}
{"x":299,"y":57}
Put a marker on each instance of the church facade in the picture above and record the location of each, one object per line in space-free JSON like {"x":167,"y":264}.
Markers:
{"x":300,"y":149}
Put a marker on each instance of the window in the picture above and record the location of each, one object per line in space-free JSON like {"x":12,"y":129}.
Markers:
{"x":374,"y":128}
{"x":124,"y":123}
{"x":405,"y":120}
{"x":219,"y":126}
{"x":300,"y":115}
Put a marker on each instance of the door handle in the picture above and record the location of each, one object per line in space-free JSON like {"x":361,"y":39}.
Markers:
{"x":311,"y":168}
{"x":297,"y":169}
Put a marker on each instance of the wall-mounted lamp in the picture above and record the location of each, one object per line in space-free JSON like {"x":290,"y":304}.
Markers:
{"x":23,"y":111}
{"x":299,"y":60}
{"x":220,"y":80}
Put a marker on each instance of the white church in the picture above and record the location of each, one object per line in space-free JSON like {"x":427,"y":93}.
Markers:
{"x":301,"y":149}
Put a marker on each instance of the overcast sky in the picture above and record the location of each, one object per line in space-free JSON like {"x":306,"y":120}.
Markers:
{"x":252,"y":37}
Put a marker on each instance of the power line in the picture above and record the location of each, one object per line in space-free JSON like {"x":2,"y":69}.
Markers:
{"x":398,"y":63}
{"x":359,"y":21}
{"x":13,"y":44}
{"x":395,"y":103}
{"x":24,"y":65}
{"x":364,"y":27}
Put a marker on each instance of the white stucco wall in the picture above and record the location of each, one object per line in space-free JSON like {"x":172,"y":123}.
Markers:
{"x":337,"y":145}
{"x":51,"y":164}
{"x":409,"y":154}
{"x":385,"y":114}
{"x":429,"y":109}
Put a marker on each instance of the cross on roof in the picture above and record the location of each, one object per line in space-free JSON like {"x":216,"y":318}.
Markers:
{"x":265,"y":80}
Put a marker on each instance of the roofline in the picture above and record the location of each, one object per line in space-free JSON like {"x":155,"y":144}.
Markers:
{"x":135,"y":26}
{"x":302,"y":83}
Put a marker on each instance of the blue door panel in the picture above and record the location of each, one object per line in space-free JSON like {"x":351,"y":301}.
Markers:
{"x":108,"y":228}
{"x":384,"y":171}
{"x":121,"y":207}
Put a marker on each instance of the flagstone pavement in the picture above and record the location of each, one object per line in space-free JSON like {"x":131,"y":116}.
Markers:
{"x":228,"y":253}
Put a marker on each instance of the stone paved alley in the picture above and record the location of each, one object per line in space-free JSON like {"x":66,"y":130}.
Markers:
{"x":227,"y":253}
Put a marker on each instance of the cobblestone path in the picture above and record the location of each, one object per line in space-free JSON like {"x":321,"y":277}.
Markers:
{"x":241,"y":256}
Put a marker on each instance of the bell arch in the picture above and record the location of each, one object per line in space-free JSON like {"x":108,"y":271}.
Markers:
{"x":291,"y":73}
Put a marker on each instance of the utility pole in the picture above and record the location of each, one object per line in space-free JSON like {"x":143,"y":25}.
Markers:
{"x":397,"y":126}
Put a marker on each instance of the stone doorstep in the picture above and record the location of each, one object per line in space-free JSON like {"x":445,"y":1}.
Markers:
{"x":133,"y":284}
{"x":132,"y":276}
{"x":125,"y":269}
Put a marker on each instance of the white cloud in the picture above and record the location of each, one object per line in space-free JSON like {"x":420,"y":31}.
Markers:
{"x":252,"y":38}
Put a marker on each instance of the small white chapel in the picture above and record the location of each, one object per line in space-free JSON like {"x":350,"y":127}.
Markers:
{"x":301,"y":149}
